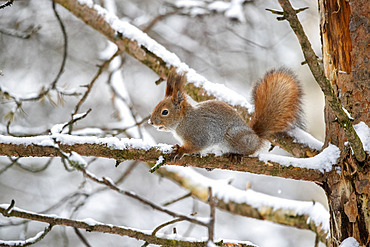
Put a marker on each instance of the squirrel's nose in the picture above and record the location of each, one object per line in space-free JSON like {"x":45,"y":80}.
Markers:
{"x":150,"y":121}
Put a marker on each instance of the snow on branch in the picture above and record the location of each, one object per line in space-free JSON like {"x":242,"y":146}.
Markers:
{"x":30,"y":241}
{"x":92,"y":225}
{"x":137,"y":149}
{"x":138,"y":44}
{"x":303,"y":215}
{"x":232,"y":10}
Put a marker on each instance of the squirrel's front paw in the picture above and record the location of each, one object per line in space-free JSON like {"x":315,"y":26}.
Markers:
{"x":176,"y":153}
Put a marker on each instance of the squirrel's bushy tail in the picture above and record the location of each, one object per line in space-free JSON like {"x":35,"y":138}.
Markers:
{"x":277,"y":101}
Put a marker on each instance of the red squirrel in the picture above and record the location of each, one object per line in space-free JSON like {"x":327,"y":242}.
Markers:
{"x":200,"y":126}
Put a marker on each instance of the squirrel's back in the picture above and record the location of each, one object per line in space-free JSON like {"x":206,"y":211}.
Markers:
{"x":277,"y":101}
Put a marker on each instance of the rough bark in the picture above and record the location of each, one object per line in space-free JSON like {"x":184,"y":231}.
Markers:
{"x":345,"y":36}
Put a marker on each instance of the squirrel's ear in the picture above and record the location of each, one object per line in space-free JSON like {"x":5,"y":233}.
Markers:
{"x":171,"y":82}
{"x":169,"y":87}
{"x":179,"y":81}
{"x":177,"y":98}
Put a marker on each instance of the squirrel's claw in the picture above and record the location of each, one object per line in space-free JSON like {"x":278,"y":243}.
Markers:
{"x":234,"y":158}
{"x":176,"y":154}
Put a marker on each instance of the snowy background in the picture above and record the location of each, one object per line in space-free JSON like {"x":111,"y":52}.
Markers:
{"x":233,"y":53}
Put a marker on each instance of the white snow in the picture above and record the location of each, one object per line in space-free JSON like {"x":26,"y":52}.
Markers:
{"x":349,"y":242}
{"x":227,"y":193}
{"x":323,"y":162}
{"x":363,"y":131}
{"x":91,"y":222}
{"x":112,"y":142}
{"x":77,"y":159}
{"x":219,"y":6}
{"x":159,"y":162}
{"x":26,"y":242}
{"x":301,"y":136}
{"x":347,"y":113}
{"x":236,"y":11}
{"x":189,"y":3}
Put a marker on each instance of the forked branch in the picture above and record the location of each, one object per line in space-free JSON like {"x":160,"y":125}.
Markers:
{"x":291,"y":16}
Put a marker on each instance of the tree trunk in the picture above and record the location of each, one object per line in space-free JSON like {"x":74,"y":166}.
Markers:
{"x":345,"y":43}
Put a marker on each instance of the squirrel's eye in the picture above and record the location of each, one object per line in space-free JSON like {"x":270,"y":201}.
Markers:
{"x":164,"y":112}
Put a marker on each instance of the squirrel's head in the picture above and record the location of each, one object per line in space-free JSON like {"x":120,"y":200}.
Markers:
{"x":170,"y":111}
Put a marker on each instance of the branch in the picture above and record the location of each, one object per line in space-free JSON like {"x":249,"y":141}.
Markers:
{"x":91,"y":225}
{"x":303,"y":215}
{"x":135,"y":149}
{"x":140,"y":46}
{"x":317,"y":71}
{"x":39,"y":236}
{"x":7,"y":4}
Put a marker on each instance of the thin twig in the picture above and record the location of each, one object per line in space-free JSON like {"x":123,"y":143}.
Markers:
{"x":91,"y":84}
{"x":33,"y":170}
{"x":112,"y":186}
{"x":176,"y":200}
{"x":62,"y":27}
{"x":74,"y":120}
{"x":165,"y":224}
{"x":81,"y":237}
{"x":20,"y":34}
{"x":212,"y":215}
{"x":157,"y":19}
{"x":7,"y":4}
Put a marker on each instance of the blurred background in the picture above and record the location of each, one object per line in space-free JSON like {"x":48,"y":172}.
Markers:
{"x":234,"y":50}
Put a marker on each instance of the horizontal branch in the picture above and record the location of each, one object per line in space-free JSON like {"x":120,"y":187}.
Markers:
{"x":134,"y":149}
{"x":153,"y":55}
{"x":91,"y":225}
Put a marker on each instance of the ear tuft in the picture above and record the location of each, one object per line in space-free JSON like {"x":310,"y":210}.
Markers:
{"x":175,"y":86}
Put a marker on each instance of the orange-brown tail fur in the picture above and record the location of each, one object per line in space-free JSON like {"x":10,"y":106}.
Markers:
{"x":277,"y":101}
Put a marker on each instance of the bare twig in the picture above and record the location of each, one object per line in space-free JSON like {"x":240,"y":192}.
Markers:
{"x":81,"y":237}
{"x":176,"y":200}
{"x":62,"y":27}
{"x":165,"y":224}
{"x":20,"y":34}
{"x":212,"y":216}
{"x":157,"y":19}
{"x":7,"y":4}
{"x":102,"y":67}
{"x":290,"y":15}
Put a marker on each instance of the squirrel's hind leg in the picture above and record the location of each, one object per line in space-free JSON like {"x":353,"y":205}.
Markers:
{"x":242,"y":141}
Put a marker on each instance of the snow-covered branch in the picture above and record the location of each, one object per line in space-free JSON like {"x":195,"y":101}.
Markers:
{"x":304,"y":215}
{"x":138,"y":44}
{"x":30,"y":241}
{"x":136,"y":149}
{"x":94,"y":226}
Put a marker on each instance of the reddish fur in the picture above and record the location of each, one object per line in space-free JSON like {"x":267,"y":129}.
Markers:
{"x":277,"y":103}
